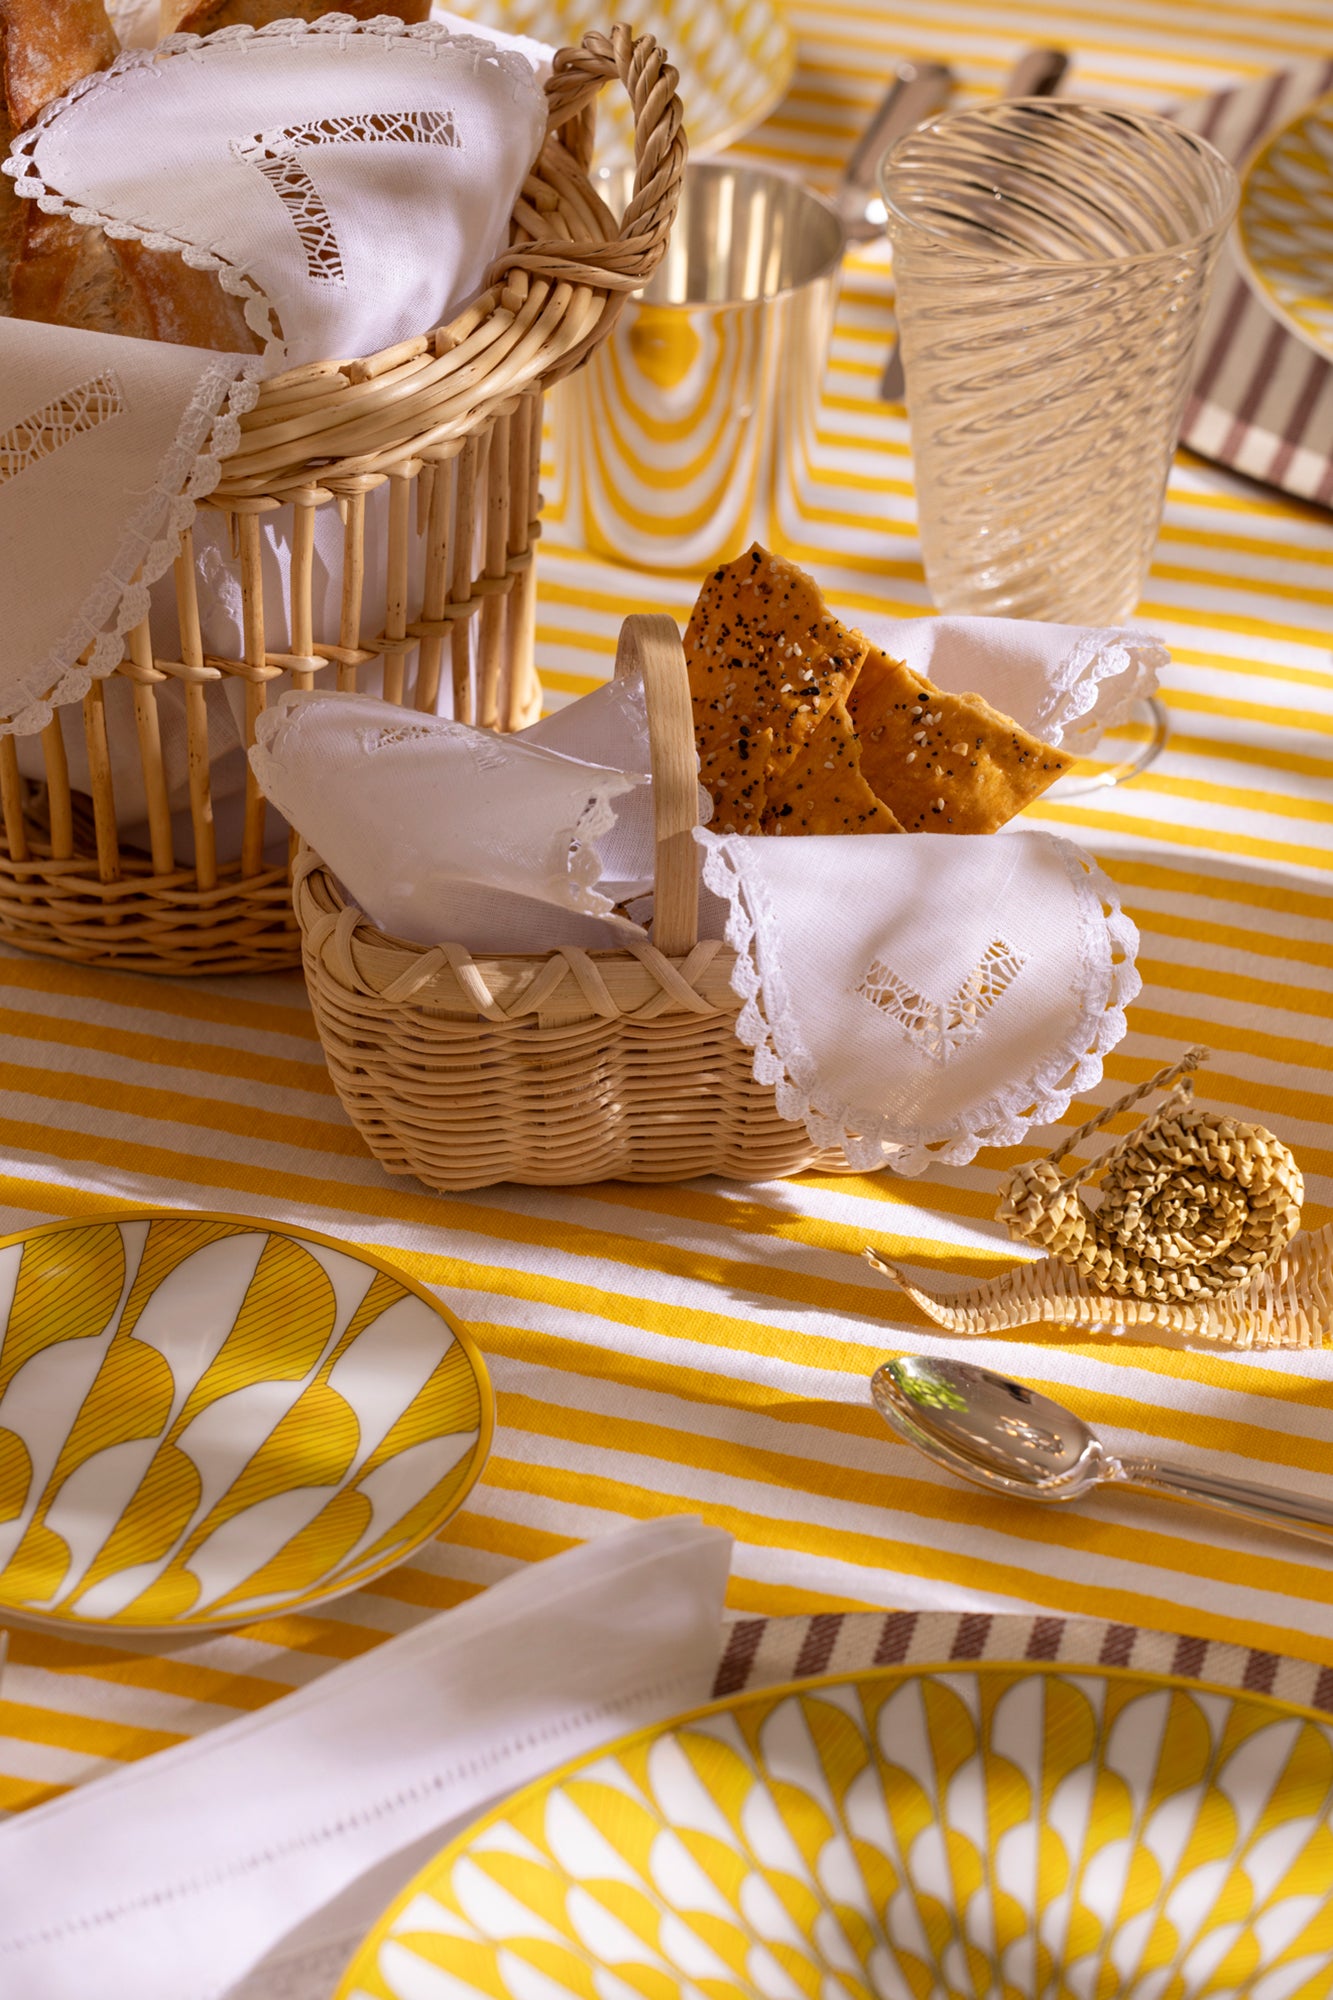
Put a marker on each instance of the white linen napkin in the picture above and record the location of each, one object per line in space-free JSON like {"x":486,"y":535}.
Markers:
{"x":1068,"y":684}
{"x":351,"y":181}
{"x":918,"y":996}
{"x":442,"y":830}
{"x":171,"y":1879}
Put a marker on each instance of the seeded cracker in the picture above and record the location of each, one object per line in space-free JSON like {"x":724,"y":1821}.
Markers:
{"x":764,"y":655}
{"x":944,"y":763}
{"x":824,"y":790}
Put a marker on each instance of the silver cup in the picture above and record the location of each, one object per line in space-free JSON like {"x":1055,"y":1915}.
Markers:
{"x":678,"y":442}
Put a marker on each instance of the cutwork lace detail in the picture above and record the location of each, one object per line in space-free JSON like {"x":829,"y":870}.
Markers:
{"x":940,"y":1028}
{"x":275,"y":154}
{"x":66,"y":416}
{"x":1108,"y":981}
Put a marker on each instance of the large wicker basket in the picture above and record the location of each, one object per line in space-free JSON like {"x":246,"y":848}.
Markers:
{"x":568,"y":1066}
{"x":451,"y":423}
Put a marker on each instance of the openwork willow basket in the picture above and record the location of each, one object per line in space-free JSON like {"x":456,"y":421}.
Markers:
{"x":451,"y":423}
{"x":560,"y":1067}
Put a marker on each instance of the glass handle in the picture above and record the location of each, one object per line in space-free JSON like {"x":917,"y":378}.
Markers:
{"x":1294,"y":1513}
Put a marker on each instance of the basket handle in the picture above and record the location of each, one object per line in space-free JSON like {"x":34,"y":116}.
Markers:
{"x":651,"y":645}
{"x":577,"y":75}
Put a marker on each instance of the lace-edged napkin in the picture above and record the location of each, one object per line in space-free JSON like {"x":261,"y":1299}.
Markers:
{"x":912,"y":996}
{"x":351,"y":182}
{"x":438,"y":829}
{"x":1065,"y":683}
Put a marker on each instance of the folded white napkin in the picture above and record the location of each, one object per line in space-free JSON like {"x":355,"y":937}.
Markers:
{"x":1066,"y":683}
{"x":351,"y":181}
{"x":442,"y":830}
{"x":172,"y":1879}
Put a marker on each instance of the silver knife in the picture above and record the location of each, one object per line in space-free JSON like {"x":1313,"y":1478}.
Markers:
{"x":1039,"y":73}
{"x":918,"y":90}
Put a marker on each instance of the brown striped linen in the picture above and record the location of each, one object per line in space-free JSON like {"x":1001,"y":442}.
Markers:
{"x":1262,"y":402}
{"x":765,"y":1652}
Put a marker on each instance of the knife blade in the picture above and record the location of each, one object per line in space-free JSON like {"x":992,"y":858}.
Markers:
{"x":918,"y":90}
{"x":1037,"y":73}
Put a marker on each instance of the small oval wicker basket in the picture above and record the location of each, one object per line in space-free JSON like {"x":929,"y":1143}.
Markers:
{"x":450,"y":422}
{"x":566,"y":1066}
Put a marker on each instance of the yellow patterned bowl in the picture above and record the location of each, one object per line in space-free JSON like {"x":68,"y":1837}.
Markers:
{"x":206,"y":1419}
{"x":1284,"y":227}
{"x":988,"y":1831}
{"x":736,"y":60}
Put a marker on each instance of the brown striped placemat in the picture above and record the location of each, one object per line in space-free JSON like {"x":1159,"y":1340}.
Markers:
{"x":1262,"y":401}
{"x":764,"y":1652}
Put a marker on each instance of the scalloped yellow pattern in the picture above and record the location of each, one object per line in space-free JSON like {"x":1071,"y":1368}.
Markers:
{"x":912,"y":1834}
{"x":205,"y":1419}
{"x":1285,"y":224}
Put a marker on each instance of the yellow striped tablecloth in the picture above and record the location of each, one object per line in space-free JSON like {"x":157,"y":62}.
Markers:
{"x":706,"y":1347}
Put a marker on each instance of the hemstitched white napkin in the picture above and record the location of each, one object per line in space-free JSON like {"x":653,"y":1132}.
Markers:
{"x":171,"y":1879}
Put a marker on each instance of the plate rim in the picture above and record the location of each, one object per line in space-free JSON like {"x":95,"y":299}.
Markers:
{"x":729,"y":1704}
{"x":56,"y":1621}
{"x":1250,"y":271}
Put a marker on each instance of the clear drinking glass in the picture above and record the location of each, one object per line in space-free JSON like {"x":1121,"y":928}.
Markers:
{"x":1052,"y":261}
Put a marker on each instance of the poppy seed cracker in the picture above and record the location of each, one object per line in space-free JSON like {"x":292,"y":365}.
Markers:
{"x":767,"y":660}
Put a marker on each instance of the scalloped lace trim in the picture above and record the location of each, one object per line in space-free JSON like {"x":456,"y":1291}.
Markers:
{"x":767,"y":1026}
{"x":209,"y":432}
{"x":1075,"y":684}
{"x":260,"y":313}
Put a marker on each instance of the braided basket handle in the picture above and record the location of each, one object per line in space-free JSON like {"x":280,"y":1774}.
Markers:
{"x":629,"y":259}
{"x":652,"y":645}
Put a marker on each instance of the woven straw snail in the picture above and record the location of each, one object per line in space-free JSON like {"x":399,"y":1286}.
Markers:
{"x":1195,"y":1234}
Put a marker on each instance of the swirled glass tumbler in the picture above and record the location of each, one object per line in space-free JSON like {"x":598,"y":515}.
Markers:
{"x":1052,"y":262}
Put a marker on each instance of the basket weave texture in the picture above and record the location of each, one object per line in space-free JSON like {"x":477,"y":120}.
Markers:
{"x":450,"y":422}
{"x":562,"y":1067}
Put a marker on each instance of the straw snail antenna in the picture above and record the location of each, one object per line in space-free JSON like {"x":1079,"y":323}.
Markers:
{"x":1192,"y":1204}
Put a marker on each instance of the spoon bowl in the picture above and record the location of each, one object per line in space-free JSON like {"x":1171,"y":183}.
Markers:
{"x":1010,"y":1439}
{"x":987,"y":1428}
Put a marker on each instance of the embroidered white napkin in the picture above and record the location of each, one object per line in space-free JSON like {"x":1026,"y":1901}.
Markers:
{"x":351,"y":181}
{"x":173,"y":1878}
{"x":917,"y":996}
{"x":440,"y":830}
{"x":1065,"y":683}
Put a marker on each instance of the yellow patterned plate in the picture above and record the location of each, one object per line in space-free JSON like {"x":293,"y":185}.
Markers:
{"x":206,"y":1419}
{"x":964,"y":1832}
{"x":1284,"y":229}
{"x":736,"y":60}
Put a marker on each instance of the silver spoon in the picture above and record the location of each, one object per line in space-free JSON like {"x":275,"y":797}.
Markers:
{"x":1001,"y":1435}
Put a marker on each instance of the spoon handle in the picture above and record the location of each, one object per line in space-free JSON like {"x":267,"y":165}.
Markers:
{"x":1294,"y":1513}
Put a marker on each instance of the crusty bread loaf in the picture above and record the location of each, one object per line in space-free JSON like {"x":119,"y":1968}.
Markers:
{"x":182,"y":305}
{"x":46,"y":48}
{"x":49,"y":45}
{"x":55,"y":270}
{"x":200,"y":17}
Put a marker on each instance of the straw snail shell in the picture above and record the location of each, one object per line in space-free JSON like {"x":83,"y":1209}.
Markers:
{"x":1195,"y":1233}
{"x":1192,"y":1204}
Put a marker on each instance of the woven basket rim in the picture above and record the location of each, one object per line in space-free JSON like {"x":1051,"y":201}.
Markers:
{"x":546,"y":301}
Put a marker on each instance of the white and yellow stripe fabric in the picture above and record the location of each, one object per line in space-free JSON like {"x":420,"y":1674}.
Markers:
{"x":706,"y":1347}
